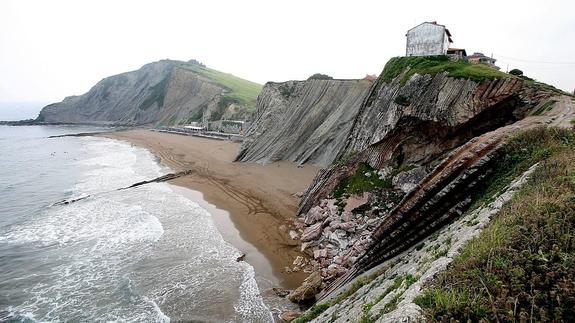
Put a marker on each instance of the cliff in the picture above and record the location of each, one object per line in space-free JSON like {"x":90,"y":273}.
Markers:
{"x":427,"y":143}
{"x":303,"y":121}
{"x":159,"y":93}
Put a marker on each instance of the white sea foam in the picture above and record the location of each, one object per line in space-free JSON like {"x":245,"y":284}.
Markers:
{"x":138,"y":255}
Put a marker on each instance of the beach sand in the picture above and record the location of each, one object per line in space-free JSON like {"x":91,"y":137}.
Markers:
{"x":252,"y":204}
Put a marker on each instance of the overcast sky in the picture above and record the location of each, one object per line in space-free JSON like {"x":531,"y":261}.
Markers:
{"x":52,"y":49}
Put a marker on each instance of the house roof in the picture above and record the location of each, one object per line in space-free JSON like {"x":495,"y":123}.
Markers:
{"x":434,"y":23}
{"x":479,"y":55}
{"x":457,"y":50}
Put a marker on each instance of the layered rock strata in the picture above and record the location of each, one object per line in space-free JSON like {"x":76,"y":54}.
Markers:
{"x":447,"y":137}
{"x":303,"y":121}
{"x":160,"y":93}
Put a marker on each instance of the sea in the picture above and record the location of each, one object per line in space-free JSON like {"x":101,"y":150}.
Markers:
{"x":76,"y":247}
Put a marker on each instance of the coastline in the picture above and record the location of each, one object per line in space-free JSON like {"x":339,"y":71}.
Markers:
{"x":251,"y":204}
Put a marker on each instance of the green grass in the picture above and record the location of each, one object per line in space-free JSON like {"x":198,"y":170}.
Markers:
{"x":241,"y":91}
{"x":312,"y":313}
{"x":198,"y":114}
{"x":318,"y":309}
{"x":392,"y":304}
{"x":522,"y":265}
{"x":438,"y":64}
{"x":359,"y":182}
{"x":519,"y":154}
{"x":544,"y":107}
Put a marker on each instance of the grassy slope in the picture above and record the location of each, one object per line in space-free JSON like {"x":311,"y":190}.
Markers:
{"x":241,"y":91}
{"x":522,"y":266}
{"x":458,"y":69}
{"x":438,"y":64}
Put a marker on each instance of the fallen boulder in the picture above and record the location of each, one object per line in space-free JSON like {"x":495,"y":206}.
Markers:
{"x":289,"y":316}
{"x":308,"y":289}
{"x":408,"y":180}
{"x":311,"y":233}
{"x":356,"y":201}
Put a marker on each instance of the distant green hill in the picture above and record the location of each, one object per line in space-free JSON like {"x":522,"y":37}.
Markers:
{"x":241,"y":91}
{"x":166,"y":92}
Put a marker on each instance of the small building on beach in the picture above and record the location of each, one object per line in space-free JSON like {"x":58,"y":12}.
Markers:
{"x":229,"y":126}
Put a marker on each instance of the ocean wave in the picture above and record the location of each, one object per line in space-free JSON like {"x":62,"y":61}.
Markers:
{"x":137,"y":255}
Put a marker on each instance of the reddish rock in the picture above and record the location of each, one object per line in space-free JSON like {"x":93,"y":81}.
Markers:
{"x":314,"y":215}
{"x":311,"y":233}
{"x":347,"y":226}
{"x":320,"y":253}
{"x":289,"y":316}
{"x":356,"y":201}
{"x":346,"y":216}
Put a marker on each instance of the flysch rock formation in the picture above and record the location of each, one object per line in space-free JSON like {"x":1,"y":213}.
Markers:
{"x":160,"y":93}
{"x":431,"y":149}
{"x":389,"y":296}
{"x":303,"y":121}
{"x":404,"y":145}
{"x":442,"y":114}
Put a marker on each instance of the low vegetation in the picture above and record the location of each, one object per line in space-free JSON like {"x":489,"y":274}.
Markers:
{"x":318,"y":309}
{"x":401,"y":100}
{"x":240,"y":91}
{"x":365,"y":179}
{"x":319,"y":76}
{"x":522,"y":265}
{"x":287,"y":89}
{"x":516,"y":72}
{"x":438,"y":64}
{"x":544,"y":107}
{"x":157,"y":96}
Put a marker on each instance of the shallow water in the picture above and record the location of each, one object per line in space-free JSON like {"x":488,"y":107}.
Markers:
{"x":146,"y":254}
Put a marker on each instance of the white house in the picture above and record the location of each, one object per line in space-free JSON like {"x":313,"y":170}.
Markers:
{"x":428,"y":39}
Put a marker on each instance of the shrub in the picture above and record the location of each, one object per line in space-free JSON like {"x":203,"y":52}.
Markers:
{"x":319,"y":76}
{"x":516,"y":72}
{"x":401,"y":100}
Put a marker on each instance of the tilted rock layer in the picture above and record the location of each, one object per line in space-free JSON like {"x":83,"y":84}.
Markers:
{"x":441,"y":113}
{"x":159,"y":93}
{"x":432,"y":141}
{"x":303,"y":121}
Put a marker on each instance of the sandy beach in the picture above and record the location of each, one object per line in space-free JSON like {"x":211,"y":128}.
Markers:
{"x":252,"y":204}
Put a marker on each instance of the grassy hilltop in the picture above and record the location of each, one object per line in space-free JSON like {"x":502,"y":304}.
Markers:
{"x":241,"y":91}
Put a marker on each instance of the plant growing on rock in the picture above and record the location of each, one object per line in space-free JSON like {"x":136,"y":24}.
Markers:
{"x":522,"y":266}
{"x":319,"y":76}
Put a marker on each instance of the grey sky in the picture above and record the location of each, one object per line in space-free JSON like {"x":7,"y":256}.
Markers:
{"x":52,"y":49}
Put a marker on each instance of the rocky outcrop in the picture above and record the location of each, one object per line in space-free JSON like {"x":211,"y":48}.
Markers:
{"x":431,"y":142}
{"x":307,"y":291}
{"x":442,"y":114}
{"x":388,"y":295}
{"x":160,"y":93}
{"x":303,"y":121}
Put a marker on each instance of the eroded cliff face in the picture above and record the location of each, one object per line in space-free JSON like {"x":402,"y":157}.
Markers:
{"x":414,"y":158}
{"x":159,"y":93}
{"x":416,"y":123}
{"x":303,"y":121}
